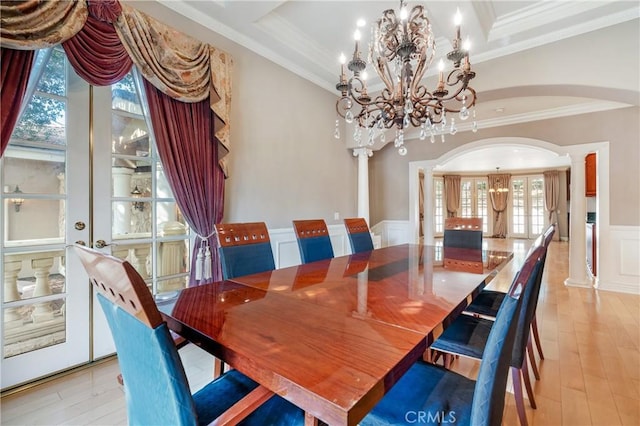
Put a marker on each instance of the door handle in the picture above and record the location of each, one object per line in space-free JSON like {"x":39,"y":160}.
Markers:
{"x":100,"y":244}
{"x":81,"y":243}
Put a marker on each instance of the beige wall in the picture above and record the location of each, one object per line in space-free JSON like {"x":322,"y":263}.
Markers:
{"x":389,"y":172}
{"x":285,"y":163}
{"x":283,"y":168}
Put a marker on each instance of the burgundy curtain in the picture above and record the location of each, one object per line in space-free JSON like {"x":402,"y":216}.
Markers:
{"x":189,"y":152}
{"x":97,"y":54}
{"x":16,"y":67}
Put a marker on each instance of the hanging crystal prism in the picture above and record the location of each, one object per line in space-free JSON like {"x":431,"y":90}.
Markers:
{"x":423,"y":132}
{"x":348,"y":117}
{"x":405,"y":122}
{"x":432,"y":138}
{"x":474,"y":126}
{"x":383,"y":138}
{"x":402,"y":150}
{"x":442,"y":137}
{"x":408,"y":106}
{"x":453,"y":129}
{"x":464,"y":111}
{"x":336,"y":133}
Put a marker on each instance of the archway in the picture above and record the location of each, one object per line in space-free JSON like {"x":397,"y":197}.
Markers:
{"x":574,"y":153}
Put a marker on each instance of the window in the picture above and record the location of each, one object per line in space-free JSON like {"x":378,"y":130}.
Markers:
{"x":438,"y":206}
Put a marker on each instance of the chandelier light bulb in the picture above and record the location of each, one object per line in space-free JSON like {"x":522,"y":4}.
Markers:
{"x":361,"y":23}
{"x":343,"y":58}
{"x":357,"y":35}
{"x":467,"y":44}
{"x":457,"y":19}
{"x":441,"y":65}
{"x":365,"y":75}
{"x":404,"y":13}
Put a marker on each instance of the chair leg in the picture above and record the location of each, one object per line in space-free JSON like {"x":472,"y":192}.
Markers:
{"x":527,"y":383}
{"x":448,"y":359}
{"x":532,"y":358}
{"x":218,"y":368}
{"x":536,"y":336}
{"x":517,"y":394}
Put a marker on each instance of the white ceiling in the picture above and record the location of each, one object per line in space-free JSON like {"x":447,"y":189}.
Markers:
{"x":307,"y":37}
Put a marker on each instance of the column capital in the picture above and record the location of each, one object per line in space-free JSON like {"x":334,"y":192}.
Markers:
{"x":357,"y":152}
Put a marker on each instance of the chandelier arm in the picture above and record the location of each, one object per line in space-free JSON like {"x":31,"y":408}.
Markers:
{"x":382,"y":66}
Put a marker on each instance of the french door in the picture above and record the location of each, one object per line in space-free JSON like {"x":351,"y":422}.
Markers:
{"x":474,"y":199}
{"x":527,"y":214}
{"x":80,"y":168}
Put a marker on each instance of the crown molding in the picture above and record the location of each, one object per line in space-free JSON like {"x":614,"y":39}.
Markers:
{"x":182,"y":8}
{"x":552,"y":37}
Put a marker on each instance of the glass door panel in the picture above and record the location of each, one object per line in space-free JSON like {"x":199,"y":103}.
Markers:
{"x":473,"y":200}
{"x":527,"y":210}
{"x":44,"y":175}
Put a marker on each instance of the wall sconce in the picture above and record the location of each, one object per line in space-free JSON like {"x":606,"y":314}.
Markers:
{"x":138,"y":205}
{"x":17,"y":200}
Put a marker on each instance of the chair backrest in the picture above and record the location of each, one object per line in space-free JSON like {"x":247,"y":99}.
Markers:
{"x":489,"y":393}
{"x":313,"y":240}
{"x":154,"y":379}
{"x":245,"y":249}
{"x":530,"y":301}
{"x":359,"y":235}
{"x":463,"y":232}
{"x":548,"y":234}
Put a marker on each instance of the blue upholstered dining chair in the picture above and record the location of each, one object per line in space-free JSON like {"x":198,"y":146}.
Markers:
{"x":156,"y":387}
{"x":463,"y":232}
{"x":487,"y":302}
{"x":428,"y":393}
{"x":244,"y":248}
{"x":313,"y":240}
{"x":359,"y":235}
{"x":469,"y":335}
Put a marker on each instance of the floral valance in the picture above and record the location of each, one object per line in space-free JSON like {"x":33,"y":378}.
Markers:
{"x":35,"y":24}
{"x":178,"y":65}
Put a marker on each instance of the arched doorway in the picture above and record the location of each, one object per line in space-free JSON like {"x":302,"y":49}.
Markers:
{"x":573,"y":156}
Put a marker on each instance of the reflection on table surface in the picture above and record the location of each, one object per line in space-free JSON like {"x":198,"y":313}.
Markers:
{"x":330,"y":336}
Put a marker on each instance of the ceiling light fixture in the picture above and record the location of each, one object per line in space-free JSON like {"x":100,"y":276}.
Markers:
{"x":498,"y":187}
{"x":401,"y":50}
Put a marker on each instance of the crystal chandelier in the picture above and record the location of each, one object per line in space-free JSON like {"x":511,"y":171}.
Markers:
{"x":401,"y":51}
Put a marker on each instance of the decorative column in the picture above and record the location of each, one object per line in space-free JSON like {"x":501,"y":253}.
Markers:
{"x":577,"y":236}
{"x":41,"y":268}
{"x":363,"y":155}
{"x":121,"y":209}
{"x":428,"y":208}
{"x":11,"y":270}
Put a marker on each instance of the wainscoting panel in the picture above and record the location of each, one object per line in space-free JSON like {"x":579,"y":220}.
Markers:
{"x":392,"y":232}
{"x":285,"y":246}
{"x":619,"y":260}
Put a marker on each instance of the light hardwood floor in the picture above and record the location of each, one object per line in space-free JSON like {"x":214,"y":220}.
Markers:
{"x":590,"y":374}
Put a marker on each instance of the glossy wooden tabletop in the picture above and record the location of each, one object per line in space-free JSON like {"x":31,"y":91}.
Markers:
{"x":330,"y":336}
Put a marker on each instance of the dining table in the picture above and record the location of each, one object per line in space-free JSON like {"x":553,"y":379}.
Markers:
{"x":331,"y":336}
